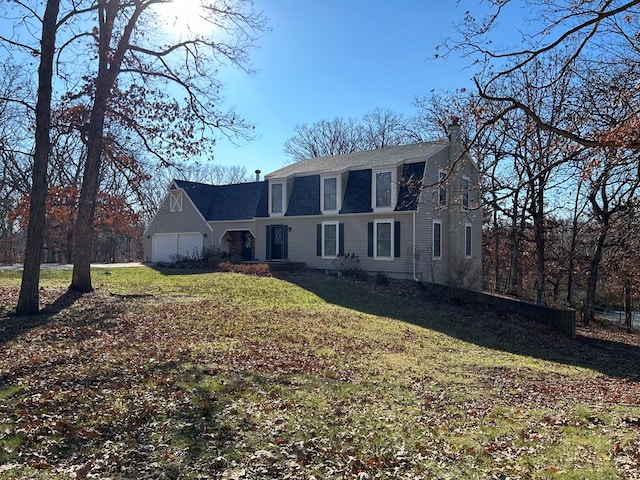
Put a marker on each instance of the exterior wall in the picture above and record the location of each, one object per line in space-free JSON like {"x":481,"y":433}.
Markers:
{"x":188,"y":220}
{"x":302,"y":241}
{"x":427,"y":268}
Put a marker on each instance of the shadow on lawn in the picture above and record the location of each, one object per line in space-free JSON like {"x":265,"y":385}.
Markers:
{"x":476,"y":323}
{"x":12,"y":325}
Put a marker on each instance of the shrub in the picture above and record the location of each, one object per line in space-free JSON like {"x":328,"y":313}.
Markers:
{"x":349,"y":265}
{"x":382,"y":278}
{"x":259,"y":269}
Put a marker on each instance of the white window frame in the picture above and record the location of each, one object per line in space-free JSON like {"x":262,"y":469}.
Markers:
{"x":323,"y":209}
{"x":337,"y":239}
{"x":283,"y":202}
{"x":175,"y":201}
{"x":377,"y":222}
{"x":433,"y":240}
{"x":394,"y":193}
{"x":442,"y":188}
{"x":468,"y":240}
{"x":466,"y":185}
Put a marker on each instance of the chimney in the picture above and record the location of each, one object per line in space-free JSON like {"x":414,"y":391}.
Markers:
{"x":257,"y":175}
{"x":455,"y":141}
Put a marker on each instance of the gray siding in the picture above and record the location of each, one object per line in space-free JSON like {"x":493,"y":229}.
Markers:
{"x":188,"y":220}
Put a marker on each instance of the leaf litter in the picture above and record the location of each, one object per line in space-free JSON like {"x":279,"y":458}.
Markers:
{"x":154,"y":387}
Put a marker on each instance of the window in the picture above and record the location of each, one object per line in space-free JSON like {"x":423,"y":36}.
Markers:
{"x":276,"y":198}
{"x":329,"y":194}
{"x":467,"y":240}
{"x":465,"y":192}
{"x":383,"y":190}
{"x":437,"y":239}
{"x":175,"y":201}
{"x":383,"y":239}
{"x":442,"y":189}
{"x":329,"y":239}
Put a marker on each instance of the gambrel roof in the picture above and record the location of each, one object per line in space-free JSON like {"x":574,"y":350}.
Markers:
{"x":382,"y":157}
{"x":239,"y":201}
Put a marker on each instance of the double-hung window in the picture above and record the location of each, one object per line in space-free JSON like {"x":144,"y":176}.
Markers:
{"x":442,"y":188}
{"x":437,"y":240}
{"x":329,"y":239}
{"x":276,"y":200}
{"x":465,"y":192}
{"x":383,"y":190}
{"x":175,"y":201}
{"x":329,"y":196}
{"x":383,"y":235}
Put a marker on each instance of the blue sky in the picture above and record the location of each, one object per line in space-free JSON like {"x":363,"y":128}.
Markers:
{"x":337,"y":58}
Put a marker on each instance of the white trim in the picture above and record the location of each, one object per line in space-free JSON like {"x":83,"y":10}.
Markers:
{"x":283,"y":185}
{"x":389,"y":221}
{"x":175,"y":200}
{"x":322,"y":238}
{"x":433,"y":237}
{"x":464,"y":193}
{"x":442,"y":186}
{"x":394,"y":189}
{"x":468,"y":227}
{"x":338,"y":179}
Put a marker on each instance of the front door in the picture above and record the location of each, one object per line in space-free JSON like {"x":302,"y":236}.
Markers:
{"x":246,"y":248}
{"x":277,"y":242}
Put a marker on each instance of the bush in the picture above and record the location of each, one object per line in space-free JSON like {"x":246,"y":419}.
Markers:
{"x":382,"y":278}
{"x":349,"y":265}
{"x":259,"y":269}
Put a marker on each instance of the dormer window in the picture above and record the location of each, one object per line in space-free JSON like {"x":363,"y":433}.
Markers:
{"x":276,"y":200}
{"x":175,"y":201}
{"x":329,"y":197}
{"x":383,"y":190}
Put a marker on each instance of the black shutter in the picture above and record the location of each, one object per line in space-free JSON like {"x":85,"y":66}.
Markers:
{"x":285,"y":239}
{"x":370,"y":239}
{"x":268,"y":243}
{"x":319,"y":240}
{"x":341,"y":239}
{"x":396,"y":239}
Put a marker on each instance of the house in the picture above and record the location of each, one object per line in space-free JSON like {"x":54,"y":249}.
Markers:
{"x":410,"y":211}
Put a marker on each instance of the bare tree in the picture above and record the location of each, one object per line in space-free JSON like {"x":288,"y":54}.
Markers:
{"x":28,"y":299}
{"x":600,"y":32}
{"x":325,"y":138}
{"x":378,"y":128}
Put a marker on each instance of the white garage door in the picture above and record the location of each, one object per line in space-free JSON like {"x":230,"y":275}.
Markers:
{"x":167,"y":247}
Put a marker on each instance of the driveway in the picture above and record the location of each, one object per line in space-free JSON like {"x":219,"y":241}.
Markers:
{"x":68,"y":266}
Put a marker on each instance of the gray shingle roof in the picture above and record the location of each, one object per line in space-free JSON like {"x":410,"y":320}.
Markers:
{"x":240,"y":201}
{"x":368,"y":159}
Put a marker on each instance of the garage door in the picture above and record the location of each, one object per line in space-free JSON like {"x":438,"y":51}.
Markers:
{"x":167,"y":247}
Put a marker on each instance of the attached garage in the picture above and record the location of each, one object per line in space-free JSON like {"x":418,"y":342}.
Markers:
{"x":168,"y":247}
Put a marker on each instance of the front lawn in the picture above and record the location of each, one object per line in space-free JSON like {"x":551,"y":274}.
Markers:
{"x":221,"y":375}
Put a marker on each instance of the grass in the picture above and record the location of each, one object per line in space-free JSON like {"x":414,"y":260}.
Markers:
{"x":219,"y":375}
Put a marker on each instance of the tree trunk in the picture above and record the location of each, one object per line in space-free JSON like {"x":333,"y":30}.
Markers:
{"x":28,"y":299}
{"x":627,"y":305}
{"x":496,"y":251}
{"x":538,"y":225}
{"x":83,"y":237}
{"x":592,"y":280}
